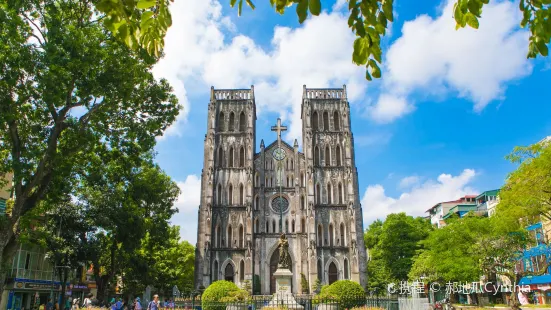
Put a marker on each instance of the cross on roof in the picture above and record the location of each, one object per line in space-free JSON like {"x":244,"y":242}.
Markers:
{"x":278,"y":128}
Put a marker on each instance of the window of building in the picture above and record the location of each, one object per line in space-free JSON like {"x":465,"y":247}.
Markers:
{"x":231,"y":125}
{"x":242,"y":122}
{"x":336,"y":121}
{"x":302,"y":225}
{"x":338,"y":155}
{"x":342,"y":240}
{"x":341,"y":197}
{"x":256,"y":202}
{"x":329,"y":194}
{"x":230,"y":158}
{"x":241,"y":194}
{"x":242,"y":271}
{"x":242,"y":157}
{"x":327,"y":156}
{"x":316,"y":156}
{"x":331,"y":235}
{"x":320,"y":235}
{"x":325,"y":121}
{"x":230,"y":236}
{"x":241,"y":237}
{"x":221,"y":122}
{"x":315,"y":120}
{"x":230,"y":195}
{"x":318,"y":194}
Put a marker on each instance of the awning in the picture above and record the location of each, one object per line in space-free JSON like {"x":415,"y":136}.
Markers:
{"x":544,"y":279}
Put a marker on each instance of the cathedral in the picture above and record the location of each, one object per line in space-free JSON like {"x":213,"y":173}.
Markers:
{"x":250,"y":195}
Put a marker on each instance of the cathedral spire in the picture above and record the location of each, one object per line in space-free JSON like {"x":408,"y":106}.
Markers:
{"x":262,"y":143}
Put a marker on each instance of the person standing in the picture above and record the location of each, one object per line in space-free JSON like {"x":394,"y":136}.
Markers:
{"x":154,"y":304}
{"x":137,"y":304}
{"x":50,"y":305}
{"x":87,"y":302}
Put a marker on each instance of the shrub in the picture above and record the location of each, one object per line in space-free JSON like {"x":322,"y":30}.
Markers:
{"x":317,"y":286}
{"x":219,"y":292}
{"x":347,"y":293}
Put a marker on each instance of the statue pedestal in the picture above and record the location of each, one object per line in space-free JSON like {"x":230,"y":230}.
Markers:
{"x":283,"y":296}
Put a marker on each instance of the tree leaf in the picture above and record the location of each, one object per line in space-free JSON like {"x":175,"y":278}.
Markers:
{"x":314,"y":7}
{"x":387,"y":9}
{"x":471,"y":20}
{"x":359,"y":55}
{"x":302,"y":10}
{"x":251,"y":4}
{"x":146,"y":4}
{"x":542,"y":47}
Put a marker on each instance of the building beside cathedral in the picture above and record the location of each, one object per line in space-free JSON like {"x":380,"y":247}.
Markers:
{"x":245,"y":191}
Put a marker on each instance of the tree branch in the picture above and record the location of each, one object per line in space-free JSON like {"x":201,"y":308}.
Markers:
{"x":37,"y":28}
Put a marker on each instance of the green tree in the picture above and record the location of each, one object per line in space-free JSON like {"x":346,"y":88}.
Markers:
{"x":68,"y":89}
{"x":146,"y":21}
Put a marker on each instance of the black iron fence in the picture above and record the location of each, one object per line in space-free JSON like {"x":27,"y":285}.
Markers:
{"x":305,"y":302}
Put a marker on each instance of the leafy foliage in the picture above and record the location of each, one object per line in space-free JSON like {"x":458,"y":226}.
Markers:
{"x":536,"y":15}
{"x":304,"y":284}
{"x":215,"y":292}
{"x":345,"y":292}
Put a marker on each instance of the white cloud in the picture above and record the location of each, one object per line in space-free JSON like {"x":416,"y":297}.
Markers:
{"x":389,"y":107}
{"x":408,"y":182}
{"x":377,"y":205}
{"x":433,"y":58}
{"x":200,"y":52}
{"x":188,"y":204}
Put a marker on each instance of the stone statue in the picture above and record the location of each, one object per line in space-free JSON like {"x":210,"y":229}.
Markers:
{"x":284,"y":258}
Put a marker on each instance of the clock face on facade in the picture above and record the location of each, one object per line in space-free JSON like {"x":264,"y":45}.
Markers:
{"x":278,"y":154}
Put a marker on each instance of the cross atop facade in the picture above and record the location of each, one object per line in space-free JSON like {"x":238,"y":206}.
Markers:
{"x":278,"y":128}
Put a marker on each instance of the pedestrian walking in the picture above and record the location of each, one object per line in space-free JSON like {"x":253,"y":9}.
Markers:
{"x":137,"y":304}
{"x":87,"y":303}
{"x":154,"y":304}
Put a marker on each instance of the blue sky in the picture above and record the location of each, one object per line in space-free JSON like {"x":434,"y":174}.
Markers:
{"x":450,"y":106}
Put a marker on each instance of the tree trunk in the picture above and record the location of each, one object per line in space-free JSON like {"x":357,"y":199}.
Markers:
{"x":8,"y":246}
{"x":515,"y":304}
{"x":63,"y":280}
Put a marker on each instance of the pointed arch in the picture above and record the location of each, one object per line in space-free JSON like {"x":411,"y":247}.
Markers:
{"x":331,"y":235}
{"x":241,"y":237}
{"x":340,"y":198}
{"x":342,"y":236}
{"x":338,"y":155}
{"x":325,"y":121}
{"x":302,"y":225}
{"x":292,"y":180}
{"x":256,"y":180}
{"x":318,"y":194}
{"x":242,"y":271}
{"x":242,"y":122}
{"x":332,"y":273}
{"x":256,"y":202}
{"x":273,"y":226}
{"x":327,"y":156}
{"x":320,"y":235}
{"x":329,"y":194}
{"x":293,"y":226}
{"x":229,"y":273}
{"x":219,"y":194}
{"x":292,"y":164}
{"x":230,"y":236}
{"x":286,"y":226}
{"x":256,"y":228}
{"x":220,"y":157}
{"x":267,"y":226}
{"x":302,"y":179}
{"x":231,"y":125}
{"x":316,"y":156}
{"x":241,"y":195}
{"x":230,"y":158}
{"x":215,"y":271}
{"x":315,"y":121}
{"x":302,"y":202}
{"x":221,"y":121}
{"x":336,"y":121}
{"x":242,"y":157}
{"x":320,"y":271}
{"x":217,"y":236}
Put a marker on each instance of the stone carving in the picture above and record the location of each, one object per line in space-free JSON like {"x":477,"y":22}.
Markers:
{"x":284,"y":258}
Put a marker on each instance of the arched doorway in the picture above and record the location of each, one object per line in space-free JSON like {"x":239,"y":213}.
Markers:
{"x":332,"y":273}
{"x":274,"y":260}
{"x":229,"y":273}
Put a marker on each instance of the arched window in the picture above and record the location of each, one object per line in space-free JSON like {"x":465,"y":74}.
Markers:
{"x":218,"y":237}
{"x":302,"y":203}
{"x":293,"y":226}
{"x":302,"y":225}
{"x":292,"y":164}
{"x":332,"y":273}
{"x":288,"y":182}
{"x":231,"y":126}
{"x":241,"y":195}
{"x":242,"y":271}
{"x":280,"y":226}
{"x":230,"y":236}
{"x":230,"y":195}
{"x":286,"y":226}
{"x":241,"y":237}
{"x":242,"y":122}
{"x":341,"y":197}
{"x":325,"y":121}
{"x":273,"y":226}
{"x":215,"y":271}
{"x":229,"y":273}
{"x":242,"y":157}
{"x":342,"y":240}
{"x":221,"y":122}
{"x":316,"y":156}
{"x":320,"y":271}
{"x":346,"y":269}
{"x":267,"y":227}
{"x":219,"y":194}
{"x":302,"y":179}
{"x":327,"y":156}
{"x":338,"y":155}
{"x":315,"y":120}
{"x":318,"y":194}
{"x":329,"y":194}
{"x":336,"y":121}
{"x":292,"y":180}
{"x":220,"y":157}
{"x":256,"y":228}
{"x":256,"y":202}
{"x":320,"y":235}
{"x":230,"y":159}
{"x":331,"y":235}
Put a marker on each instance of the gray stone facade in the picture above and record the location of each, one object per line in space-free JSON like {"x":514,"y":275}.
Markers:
{"x":238,"y":225}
